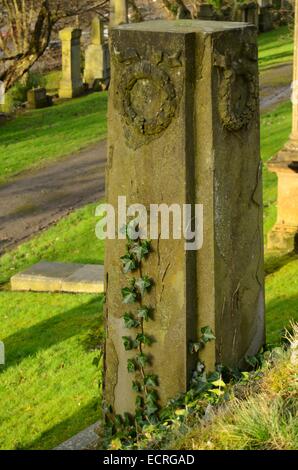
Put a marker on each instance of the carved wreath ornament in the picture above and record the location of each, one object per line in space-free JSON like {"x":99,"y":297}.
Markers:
{"x":150,"y":79}
{"x":148,"y":97}
{"x":238,"y":93}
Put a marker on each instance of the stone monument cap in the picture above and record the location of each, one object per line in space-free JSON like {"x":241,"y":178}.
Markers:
{"x":69,"y":33}
{"x":184,"y":26}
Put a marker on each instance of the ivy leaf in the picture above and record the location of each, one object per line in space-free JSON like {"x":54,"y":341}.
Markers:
{"x":207,"y":334}
{"x":129,"y":263}
{"x":217,"y":391}
{"x":136,"y":387}
{"x":139,"y":401}
{"x":118,"y":420}
{"x":195,"y":347}
{"x":131,"y":230}
{"x":129,"y":295}
{"x":151,"y":380}
{"x":127,"y":342}
{"x":144,"y":339}
{"x":219,"y":383}
{"x":200,"y":367}
{"x":142,"y":359}
{"x":151,"y":409}
{"x":143,"y":284}
{"x":140,"y":250}
{"x":151,"y":403}
{"x":151,"y":397}
{"x":144,"y":313}
{"x":131,"y":366}
{"x":130,"y":321}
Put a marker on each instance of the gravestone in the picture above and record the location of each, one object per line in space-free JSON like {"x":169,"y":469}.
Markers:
{"x":265,"y":19}
{"x":37,"y":98}
{"x":118,"y":12}
{"x":71,"y":83}
{"x":184,"y":129}
{"x":97,"y":58}
{"x":206,"y":11}
{"x":248,"y":13}
{"x":284,"y":235}
{"x":264,"y":3}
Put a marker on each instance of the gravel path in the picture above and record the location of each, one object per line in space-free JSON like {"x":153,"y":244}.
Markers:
{"x":41,"y":197}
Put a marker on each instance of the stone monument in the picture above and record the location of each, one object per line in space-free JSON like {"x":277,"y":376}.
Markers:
{"x":97,"y":58}
{"x":71,"y":84}
{"x":184,"y":129}
{"x":118,"y":12}
{"x":37,"y":98}
{"x":284,"y":235}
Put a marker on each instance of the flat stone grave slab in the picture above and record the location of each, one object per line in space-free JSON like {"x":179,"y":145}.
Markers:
{"x":84,"y":440}
{"x":60,"y":277}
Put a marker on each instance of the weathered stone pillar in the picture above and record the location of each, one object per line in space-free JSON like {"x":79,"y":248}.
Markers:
{"x":97,"y":57}
{"x":118,"y":12}
{"x":71,"y":83}
{"x":284,"y":235}
{"x":184,"y":129}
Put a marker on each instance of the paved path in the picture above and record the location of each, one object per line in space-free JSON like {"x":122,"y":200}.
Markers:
{"x":41,"y":197}
{"x":275,"y":86}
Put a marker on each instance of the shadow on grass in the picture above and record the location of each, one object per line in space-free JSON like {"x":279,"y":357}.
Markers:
{"x":29,"y":341}
{"x":280,"y":312}
{"x":275,"y":261}
{"x":275,"y":57}
{"x":61,"y":432}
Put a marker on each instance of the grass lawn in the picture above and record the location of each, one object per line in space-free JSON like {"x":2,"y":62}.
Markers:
{"x":49,"y":386}
{"x":43,"y":135}
{"x":275,"y":48}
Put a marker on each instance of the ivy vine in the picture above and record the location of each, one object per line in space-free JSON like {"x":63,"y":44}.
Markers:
{"x":128,"y":430}
{"x":144,"y":384}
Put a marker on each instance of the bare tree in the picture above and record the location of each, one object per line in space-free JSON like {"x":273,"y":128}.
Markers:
{"x":26,"y":27}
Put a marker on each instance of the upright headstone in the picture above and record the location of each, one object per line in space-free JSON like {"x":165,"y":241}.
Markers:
{"x":97,"y":58}
{"x":265,"y":18}
{"x":184,"y":129}
{"x":284,"y":235}
{"x":71,"y":83}
{"x":206,"y":11}
{"x":118,"y":12}
{"x":37,"y":98}
{"x":248,"y":13}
